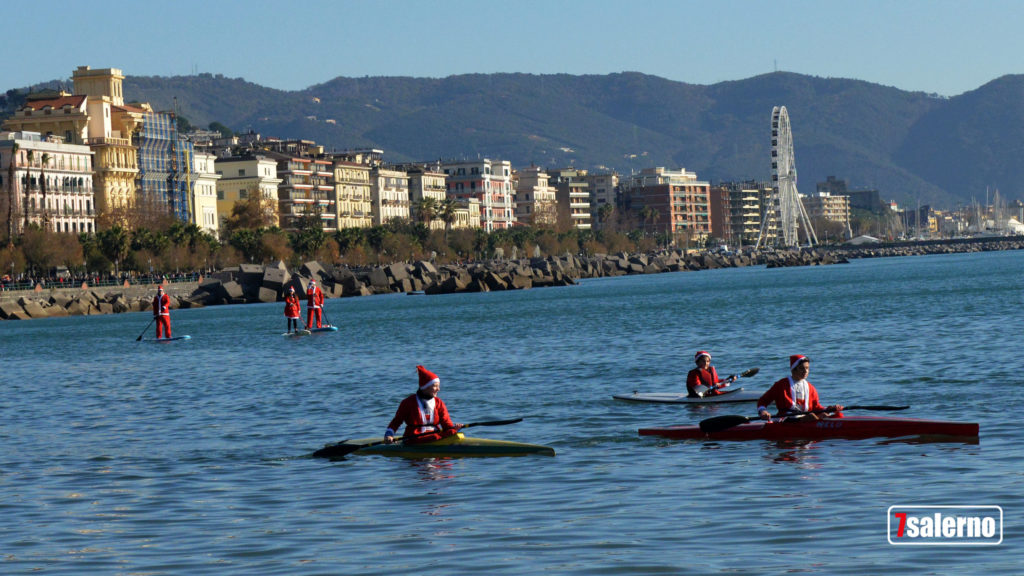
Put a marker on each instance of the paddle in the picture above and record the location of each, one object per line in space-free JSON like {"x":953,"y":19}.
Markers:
{"x":341,"y":449}
{"x":147,"y":328}
{"x":719,"y":423}
{"x":701,"y":390}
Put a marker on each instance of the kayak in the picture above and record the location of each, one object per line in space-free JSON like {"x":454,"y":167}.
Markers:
{"x":174,"y":339}
{"x":456,"y":445}
{"x":731,"y":395}
{"x":297,"y":333}
{"x":848,"y":427}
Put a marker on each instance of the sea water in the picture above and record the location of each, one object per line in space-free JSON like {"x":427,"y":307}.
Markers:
{"x":192,"y":457}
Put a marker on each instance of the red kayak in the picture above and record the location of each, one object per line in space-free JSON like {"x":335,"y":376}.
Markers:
{"x":848,"y":427}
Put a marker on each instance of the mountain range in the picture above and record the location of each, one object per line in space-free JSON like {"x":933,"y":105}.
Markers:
{"x":910,"y":146}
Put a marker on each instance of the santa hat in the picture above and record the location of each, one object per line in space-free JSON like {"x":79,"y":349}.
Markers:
{"x":796,"y":359}
{"x":291,"y":288}
{"x":312,"y":282}
{"x":427,"y":378}
{"x":696,"y":357}
{"x":159,"y":288}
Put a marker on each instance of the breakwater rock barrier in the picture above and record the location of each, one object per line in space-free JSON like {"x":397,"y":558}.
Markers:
{"x":251,"y":283}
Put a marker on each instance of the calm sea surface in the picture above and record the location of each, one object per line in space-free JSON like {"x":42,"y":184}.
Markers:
{"x":118,"y":457}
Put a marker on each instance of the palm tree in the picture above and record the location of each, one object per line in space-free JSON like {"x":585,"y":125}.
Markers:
{"x":425,"y":210}
{"x":28,"y":186}
{"x":10,"y":195}
{"x":42,"y":184}
{"x":446,"y":212}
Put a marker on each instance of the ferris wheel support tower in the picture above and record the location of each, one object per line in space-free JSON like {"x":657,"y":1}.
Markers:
{"x":785,"y":200}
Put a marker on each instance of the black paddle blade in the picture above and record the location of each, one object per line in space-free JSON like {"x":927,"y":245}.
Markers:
{"x":751,"y":372}
{"x":719,"y":423}
{"x":335,"y":451}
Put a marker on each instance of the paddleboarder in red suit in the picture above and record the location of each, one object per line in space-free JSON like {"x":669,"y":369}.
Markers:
{"x":794,"y":394}
{"x":292,"y":309}
{"x":162,"y":313}
{"x":422,"y":412}
{"x":314,"y":305}
{"x":705,"y":375}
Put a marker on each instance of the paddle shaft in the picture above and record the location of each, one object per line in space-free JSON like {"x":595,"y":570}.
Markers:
{"x":340,"y":449}
{"x":701,"y":390}
{"x":719,"y":423}
{"x":147,"y":328}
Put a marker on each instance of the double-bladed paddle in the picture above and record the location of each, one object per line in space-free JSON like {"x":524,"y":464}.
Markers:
{"x":719,"y":423}
{"x":341,"y":449}
{"x":701,"y":390}
{"x":146,"y":328}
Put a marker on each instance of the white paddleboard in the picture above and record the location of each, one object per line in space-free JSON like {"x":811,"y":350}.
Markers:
{"x":733,"y":395}
{"x":185,"y":337}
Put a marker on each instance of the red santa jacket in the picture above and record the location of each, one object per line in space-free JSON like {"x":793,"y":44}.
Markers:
{"x":314,"y":297}
{"x":700,"y":377}
{"x":413,"y":413}
{"x":162,"y":305}
{"x":781,"y":393}
{"x":291,"y":306}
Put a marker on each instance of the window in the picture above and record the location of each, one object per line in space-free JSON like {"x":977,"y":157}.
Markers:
{"x":241,"y":171}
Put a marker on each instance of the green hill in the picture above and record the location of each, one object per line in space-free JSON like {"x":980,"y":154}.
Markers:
{"x":909,"y":145}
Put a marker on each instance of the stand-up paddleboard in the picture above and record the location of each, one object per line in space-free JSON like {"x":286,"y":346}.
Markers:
{"x":173,"y":339}
{"x":297,"y":333}
{"x":733,"y":395}
{"x":324,"y":329}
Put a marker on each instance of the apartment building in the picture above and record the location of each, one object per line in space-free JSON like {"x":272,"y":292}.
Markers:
{"x":427,"y":183}
{"x":246,"y":178}
{"x":535,"y":200}
{"x":489,"y":182}
{"x":52,"y":184}
{"x":673,"y":202}
{"x":204,"y":193}
{"x":389,"y":194}
{"x":352,"y":193}
{"x":572,"y":192}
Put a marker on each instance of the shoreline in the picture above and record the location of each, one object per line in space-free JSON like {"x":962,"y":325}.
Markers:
{"x":250,"y":283}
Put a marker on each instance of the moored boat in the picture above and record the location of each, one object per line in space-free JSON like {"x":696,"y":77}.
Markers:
{"x":456,"y":445}
{"x":848,"y":427}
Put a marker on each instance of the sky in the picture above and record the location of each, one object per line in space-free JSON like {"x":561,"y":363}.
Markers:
{"x":937,"y":46}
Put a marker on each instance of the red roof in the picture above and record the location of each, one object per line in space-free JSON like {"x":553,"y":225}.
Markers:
{"x":73,"y":101}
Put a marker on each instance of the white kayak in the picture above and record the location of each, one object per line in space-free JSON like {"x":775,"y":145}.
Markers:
{"x":729,"y":395}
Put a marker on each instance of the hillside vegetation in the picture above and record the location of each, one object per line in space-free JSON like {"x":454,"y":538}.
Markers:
{"x":909,"y":145}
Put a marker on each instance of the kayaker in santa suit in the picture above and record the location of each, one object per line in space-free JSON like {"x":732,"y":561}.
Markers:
{"x":162,"y":313}
{"x":705,"y":375}
{"x":795,"y":395}
{"x":423,"y":412}
{"x":292,"y":309}
{"x":314,"y":305}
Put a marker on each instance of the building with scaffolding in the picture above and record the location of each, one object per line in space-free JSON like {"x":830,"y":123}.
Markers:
{"x":165,"y":177}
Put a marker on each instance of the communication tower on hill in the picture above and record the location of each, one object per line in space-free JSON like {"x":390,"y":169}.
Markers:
{"x":784,"y":205}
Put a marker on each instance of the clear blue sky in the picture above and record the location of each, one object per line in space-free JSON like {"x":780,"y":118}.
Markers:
{"x":943,"y":46}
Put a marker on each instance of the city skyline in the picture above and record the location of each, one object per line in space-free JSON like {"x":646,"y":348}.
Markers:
{"x":917,"y":45}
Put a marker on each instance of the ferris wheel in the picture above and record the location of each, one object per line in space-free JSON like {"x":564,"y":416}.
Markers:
{"x":785,"y":201}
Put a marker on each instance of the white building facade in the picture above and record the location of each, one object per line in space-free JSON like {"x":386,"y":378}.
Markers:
{"x":52,"y":185}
